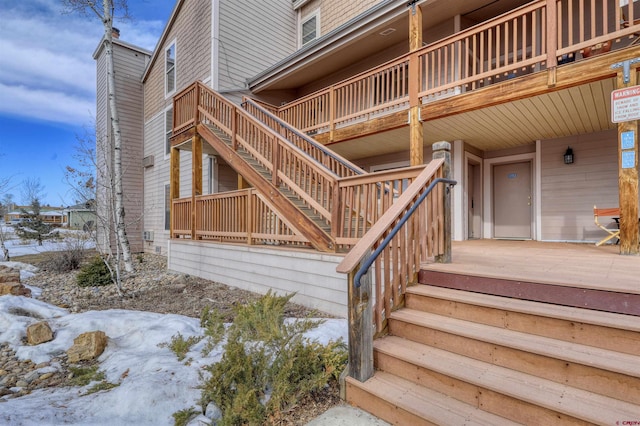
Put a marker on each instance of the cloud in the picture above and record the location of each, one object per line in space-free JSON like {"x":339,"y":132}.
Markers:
{"x":47,"y":71}
{"x":47,"y":105}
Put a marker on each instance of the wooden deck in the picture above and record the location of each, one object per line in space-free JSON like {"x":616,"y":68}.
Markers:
{"x":565,"y":264}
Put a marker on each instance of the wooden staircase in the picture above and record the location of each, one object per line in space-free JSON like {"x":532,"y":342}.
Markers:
{"x":455,"y":357}
{"x":309,"y":223}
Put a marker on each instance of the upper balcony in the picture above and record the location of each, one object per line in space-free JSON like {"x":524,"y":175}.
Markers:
{"x":547,"y":45}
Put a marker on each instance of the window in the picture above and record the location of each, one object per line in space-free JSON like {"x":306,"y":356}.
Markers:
{"x":168,"y":130}
{"x":170,"y":69}
{"x":310,"y":28}
{"x":167,"y":207}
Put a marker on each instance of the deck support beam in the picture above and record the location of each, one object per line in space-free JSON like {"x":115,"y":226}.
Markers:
{"x":443,"y":150}
{"x":628,"y":175}
{"x":415,"y":43}
{"x":196,"y":179}
{"x":174,"y":184}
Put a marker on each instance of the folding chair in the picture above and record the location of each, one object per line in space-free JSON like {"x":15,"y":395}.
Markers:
{"x":610,"y":212}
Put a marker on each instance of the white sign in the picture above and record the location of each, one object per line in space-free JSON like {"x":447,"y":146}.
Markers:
{"x":625,"y":104}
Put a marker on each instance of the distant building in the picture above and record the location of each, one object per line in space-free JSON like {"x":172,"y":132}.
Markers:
{"x":54,"y":216}
{"x":81,"y":216}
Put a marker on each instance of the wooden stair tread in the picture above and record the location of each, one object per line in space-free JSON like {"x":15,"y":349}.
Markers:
{"x":605,"y":319}
{"x":542,"y":392}
{"x":568,"y":351}
{"x":426,"y":403}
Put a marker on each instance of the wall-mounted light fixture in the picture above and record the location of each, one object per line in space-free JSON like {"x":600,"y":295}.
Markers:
{"x":568,"y":156}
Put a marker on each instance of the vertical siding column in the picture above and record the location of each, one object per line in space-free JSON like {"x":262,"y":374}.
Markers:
{"x":415,"y":43}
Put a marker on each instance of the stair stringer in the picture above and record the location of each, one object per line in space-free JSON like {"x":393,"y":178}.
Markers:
{"x":319,"y":239}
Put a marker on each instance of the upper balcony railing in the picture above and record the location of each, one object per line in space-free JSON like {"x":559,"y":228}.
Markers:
{"x":537,"y":36}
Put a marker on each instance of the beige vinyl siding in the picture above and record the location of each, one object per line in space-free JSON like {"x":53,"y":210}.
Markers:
{"x":252,"y":38}
{"x":311,"y":276}
{"x":569,"y":191}
{"x":334,"y":13}
{"x":191,"y":31}
{"x":227,"y":177}
{"x":102,"y":131}
{"x":129,"y":66}
{"x":155,"y":178}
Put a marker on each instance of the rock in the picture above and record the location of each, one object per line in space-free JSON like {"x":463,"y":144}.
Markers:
{"x":87,"y":346}
{"x":45,"y":376}
{"x":31,"y":376}
{"x":14,"y":289}
{"x":213,"y":412}
{"x":8,"y":275}
{"x":21,"y":384}
{"x":9,"y":380}
{"x":39,"y":332}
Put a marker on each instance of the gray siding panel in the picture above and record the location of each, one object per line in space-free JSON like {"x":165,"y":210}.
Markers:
{"x":569,"y":192}
{"x":128,"y":65}
{"x":252,"y":38}
{"x":312,"y":276}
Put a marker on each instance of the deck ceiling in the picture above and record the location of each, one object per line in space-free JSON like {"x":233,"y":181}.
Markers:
{"x":577,"y":110}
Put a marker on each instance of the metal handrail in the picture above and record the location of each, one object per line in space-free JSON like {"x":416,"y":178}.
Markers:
{"x":309,"y":140}
{"x":366,"y":264}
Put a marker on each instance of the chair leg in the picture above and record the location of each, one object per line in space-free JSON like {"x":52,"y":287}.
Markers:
{"x":613,"y":235}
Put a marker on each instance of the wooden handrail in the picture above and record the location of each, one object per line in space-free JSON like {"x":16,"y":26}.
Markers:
{"x":408,"y":232}
{"x":335,"y":163}
{"x":358,"y":252}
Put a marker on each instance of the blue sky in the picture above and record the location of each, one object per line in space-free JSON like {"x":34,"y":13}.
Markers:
{"x":47,"y":86}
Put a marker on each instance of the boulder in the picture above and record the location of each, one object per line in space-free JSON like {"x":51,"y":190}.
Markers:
{"x":14,"y":289}
{"x":39,"y":332}
{"x":9,"y":275}
{"x":87,"y":346}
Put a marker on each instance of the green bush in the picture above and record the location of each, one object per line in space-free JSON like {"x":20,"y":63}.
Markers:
{"x":94,"y":273}
{"x":268,"y":365}
{"x":180,"y":346}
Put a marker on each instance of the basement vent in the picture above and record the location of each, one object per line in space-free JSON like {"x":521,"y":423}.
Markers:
{"x":148,"y":161}
{"x":147,"y":235}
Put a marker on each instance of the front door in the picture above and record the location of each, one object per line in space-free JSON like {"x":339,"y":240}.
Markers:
{"x":512,"y":200}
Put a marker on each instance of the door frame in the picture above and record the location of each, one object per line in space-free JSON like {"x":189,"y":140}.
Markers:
{"x":472,"y":159}
{"x":489,"y":196}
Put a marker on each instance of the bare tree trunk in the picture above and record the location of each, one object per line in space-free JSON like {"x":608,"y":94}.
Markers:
{"x":4,"y":255}
{"x":121,"y":232}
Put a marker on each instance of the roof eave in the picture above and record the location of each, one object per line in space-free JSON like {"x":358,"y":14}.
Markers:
{"x":162,"y":39}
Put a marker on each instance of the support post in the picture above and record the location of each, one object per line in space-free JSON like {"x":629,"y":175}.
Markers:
{"x":415,"y":126}
{"x":174,"y":185}
{"x":196,"y":180}
{"x":552,"y":41}
{"x":628,"y":173}
{"x":443,"y":150}
{"x":360,"y":326}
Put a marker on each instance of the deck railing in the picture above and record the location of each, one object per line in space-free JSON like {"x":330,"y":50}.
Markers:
{"x":242,"y":216}
{"x":364,"y":199}
{"x":407,"y":234}
{"x":347,"y":206}
{"x":528,"y":39}
{"x":333,"y":162}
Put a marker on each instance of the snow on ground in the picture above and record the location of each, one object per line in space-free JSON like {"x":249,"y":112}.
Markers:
{"x":153,"y":384}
